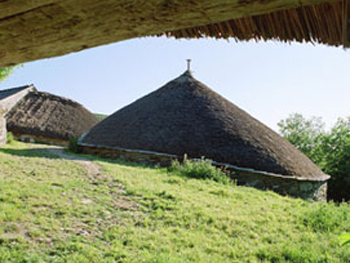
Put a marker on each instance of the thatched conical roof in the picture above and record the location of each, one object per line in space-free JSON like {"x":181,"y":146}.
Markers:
{"x":49,"y":116}
{"x":185,"y":116}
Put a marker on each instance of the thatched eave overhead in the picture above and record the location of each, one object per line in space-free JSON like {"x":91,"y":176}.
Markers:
{"x":325,"y":23}
{"x":36,"y":29}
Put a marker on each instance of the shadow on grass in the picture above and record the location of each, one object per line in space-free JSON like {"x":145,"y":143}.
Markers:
{"x":61,"y":153}
{"x":30,"y":152}
{"x":116,"y":161}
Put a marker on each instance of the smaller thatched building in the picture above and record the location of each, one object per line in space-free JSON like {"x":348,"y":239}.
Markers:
{"x":43,"y":117}
{"x":9,"y":98}
{"x":186,"y":117}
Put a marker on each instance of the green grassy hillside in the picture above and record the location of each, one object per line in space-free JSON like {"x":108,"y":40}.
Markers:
{"x":101,"y":116}
{"x":53,"y":210}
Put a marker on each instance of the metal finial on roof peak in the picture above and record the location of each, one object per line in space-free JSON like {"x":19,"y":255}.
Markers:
{"x":188,"y":64}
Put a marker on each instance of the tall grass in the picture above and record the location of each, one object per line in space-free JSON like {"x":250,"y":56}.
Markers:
{"x":52,"y":210}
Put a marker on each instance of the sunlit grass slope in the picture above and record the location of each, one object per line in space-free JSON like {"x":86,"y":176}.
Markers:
{"x":52,"y":210}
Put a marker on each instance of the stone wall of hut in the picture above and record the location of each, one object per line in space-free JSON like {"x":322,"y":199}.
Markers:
{"x":302,"y":188}
{"x":2,"y":129}
{"x":29,"y":138}
{"x":291,"y":186}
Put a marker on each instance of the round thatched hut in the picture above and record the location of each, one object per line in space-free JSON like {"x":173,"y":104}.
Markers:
{"x":186,"y":117}
{"x":9,"y":98}
{"x":43,"y":117}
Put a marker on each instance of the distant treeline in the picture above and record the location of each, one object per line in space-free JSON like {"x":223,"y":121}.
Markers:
{"x":101,"y":116}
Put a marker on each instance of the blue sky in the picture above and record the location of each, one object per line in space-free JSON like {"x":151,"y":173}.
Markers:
{"x":268,"y":80}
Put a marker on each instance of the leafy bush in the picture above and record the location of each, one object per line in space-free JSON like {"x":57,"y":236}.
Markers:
{"x":202,"y":169}
{"x":330,"y":150}
{"x":9,"y":138}
{"x":6,"y":72}
{"x":73,"y":145}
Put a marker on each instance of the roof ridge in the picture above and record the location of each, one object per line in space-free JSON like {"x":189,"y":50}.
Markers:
{"x":7,"y":93}
{"x":60,"y":98}
{"x":184,"y":77}
{"x":15,"y":88}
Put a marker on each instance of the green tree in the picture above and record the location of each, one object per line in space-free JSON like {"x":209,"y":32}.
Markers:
{"x":329,"y":150}
{"x":336,"y":160}
{"x":305,"y":134}
{"x":5,"y":72}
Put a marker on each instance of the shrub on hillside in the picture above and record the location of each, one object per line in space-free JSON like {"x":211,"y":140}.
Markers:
{"x":73,"y":145}
{"x":202,"y":169}
{"x":9,"y":138}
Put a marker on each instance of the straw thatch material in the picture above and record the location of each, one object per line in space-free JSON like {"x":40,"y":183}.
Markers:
{"x":185,"y":116}
{"x":31,"y":30}
{"x":325,"y":23}
{"x":45,"y":115}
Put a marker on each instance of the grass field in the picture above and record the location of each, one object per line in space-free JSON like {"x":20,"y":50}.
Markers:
{"x":101,"y":116}
{"x":53,"y":210}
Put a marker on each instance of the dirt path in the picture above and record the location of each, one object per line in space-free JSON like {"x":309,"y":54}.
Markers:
{"x":102,"y":190}
{"x":91,"y":168}
{"x":95,"y":175}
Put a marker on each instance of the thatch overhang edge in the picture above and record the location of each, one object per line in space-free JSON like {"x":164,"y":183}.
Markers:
{"x":32,"y":30}
{"x":20,"y":88}
{"x":322,"y":23}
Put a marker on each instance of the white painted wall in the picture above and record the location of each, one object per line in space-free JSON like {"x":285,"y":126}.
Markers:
{"x":2,"y":129}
